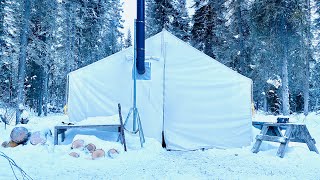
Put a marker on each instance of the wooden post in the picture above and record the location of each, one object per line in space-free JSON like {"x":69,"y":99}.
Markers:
{"x":310,"y":141}
{"x":55,"y":136}
{"x":63,"y":134}
{"x":123,"y":140}
{"x":284,"y":145}
{"x":257,"y":145}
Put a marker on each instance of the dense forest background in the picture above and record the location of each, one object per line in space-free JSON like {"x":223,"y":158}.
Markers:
{"x":273,"y":42}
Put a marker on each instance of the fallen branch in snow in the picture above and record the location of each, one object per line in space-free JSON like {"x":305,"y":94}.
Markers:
{"x":13,"y":164}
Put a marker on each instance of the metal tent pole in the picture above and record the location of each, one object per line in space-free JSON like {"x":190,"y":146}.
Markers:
{"x":134,"y":110}
{"x":134,"y":78}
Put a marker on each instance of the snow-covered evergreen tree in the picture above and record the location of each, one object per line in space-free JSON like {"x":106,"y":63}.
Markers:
{"x":240,"y":36}
{"x":159,"y":15}
{"x":280,"y":26}
{"x":40,"y":52}
{"x":9,"y":48}
{"x":181,"y":21}
{"x":208,"y":30}
{"x":317,"y":21}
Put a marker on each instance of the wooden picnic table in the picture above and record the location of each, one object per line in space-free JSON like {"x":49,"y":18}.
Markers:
{"x":294,"y":132}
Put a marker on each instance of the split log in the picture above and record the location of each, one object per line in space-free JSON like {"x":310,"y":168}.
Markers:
{"x":38,"y":138}
{"x":112,"y":153}
{"x":98,"y":154}
{"x":74,"y":154}
{"x":90,"y":147}
{"x":78,"y":144}
{"x":19,"y":135}
{"x":7,"y":144}
{"x":12,"y":144}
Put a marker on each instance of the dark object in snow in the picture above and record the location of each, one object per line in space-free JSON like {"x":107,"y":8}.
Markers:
{"x":4,"y":120}
{"x":282,"y":120}
{"x":294,"y":133}
{"x":19,"y":135}
{"x":24,"y":121}
{"x":164,"y":145}
{"x":67,"y":123}
{"x":24,"y":116}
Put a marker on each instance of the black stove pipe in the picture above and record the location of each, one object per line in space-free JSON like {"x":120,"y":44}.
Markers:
{"x":140,"y":35}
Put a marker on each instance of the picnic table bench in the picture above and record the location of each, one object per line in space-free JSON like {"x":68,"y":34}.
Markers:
{"x":61,"y":129}
{"x":294,"y":132}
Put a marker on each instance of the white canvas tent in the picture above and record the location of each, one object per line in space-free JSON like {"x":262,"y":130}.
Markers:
{"x":197,"y":101}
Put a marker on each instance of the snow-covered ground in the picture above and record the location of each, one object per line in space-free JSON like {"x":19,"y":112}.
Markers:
{"x":152,"y":162}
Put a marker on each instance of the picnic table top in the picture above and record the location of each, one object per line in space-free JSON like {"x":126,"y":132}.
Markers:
{"x":276,"y":124}
{"x":84,"y":126}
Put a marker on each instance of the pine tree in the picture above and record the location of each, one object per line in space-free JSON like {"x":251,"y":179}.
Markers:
{"x":308,"y":55}
{"x":10,"y":45}
{"x":317,"y":26}
{"x":115,"y":26}
{"x":181,"y":21}
{"x":317,"y":6}
{"x":4,"y":71}
{"x":240,"y":36}
{"x":1,"y":26}
{"x":276,"y":25}
{"x":159,"y":15}
{"x":40,"y":52}
{"x":208,"y":32}
{"x":314,"y":100}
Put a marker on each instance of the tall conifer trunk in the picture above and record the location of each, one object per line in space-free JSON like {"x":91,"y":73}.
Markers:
{"x":307,"y":61}
{"x":23,"y":57}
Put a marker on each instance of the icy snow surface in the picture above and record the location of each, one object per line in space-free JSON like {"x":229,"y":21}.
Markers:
{"x":152,"y":162}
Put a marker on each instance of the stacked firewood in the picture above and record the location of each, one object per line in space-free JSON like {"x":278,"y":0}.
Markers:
{"x":90,"y":148}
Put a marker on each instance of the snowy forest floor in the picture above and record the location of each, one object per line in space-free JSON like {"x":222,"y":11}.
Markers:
{"x":153,"y":162}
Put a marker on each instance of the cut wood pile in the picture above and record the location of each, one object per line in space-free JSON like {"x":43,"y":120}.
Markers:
{"x":79,"y":147}
{"x":21,"y":136}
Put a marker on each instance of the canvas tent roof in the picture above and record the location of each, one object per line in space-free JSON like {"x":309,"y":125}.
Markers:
{"x":197,"y":101}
